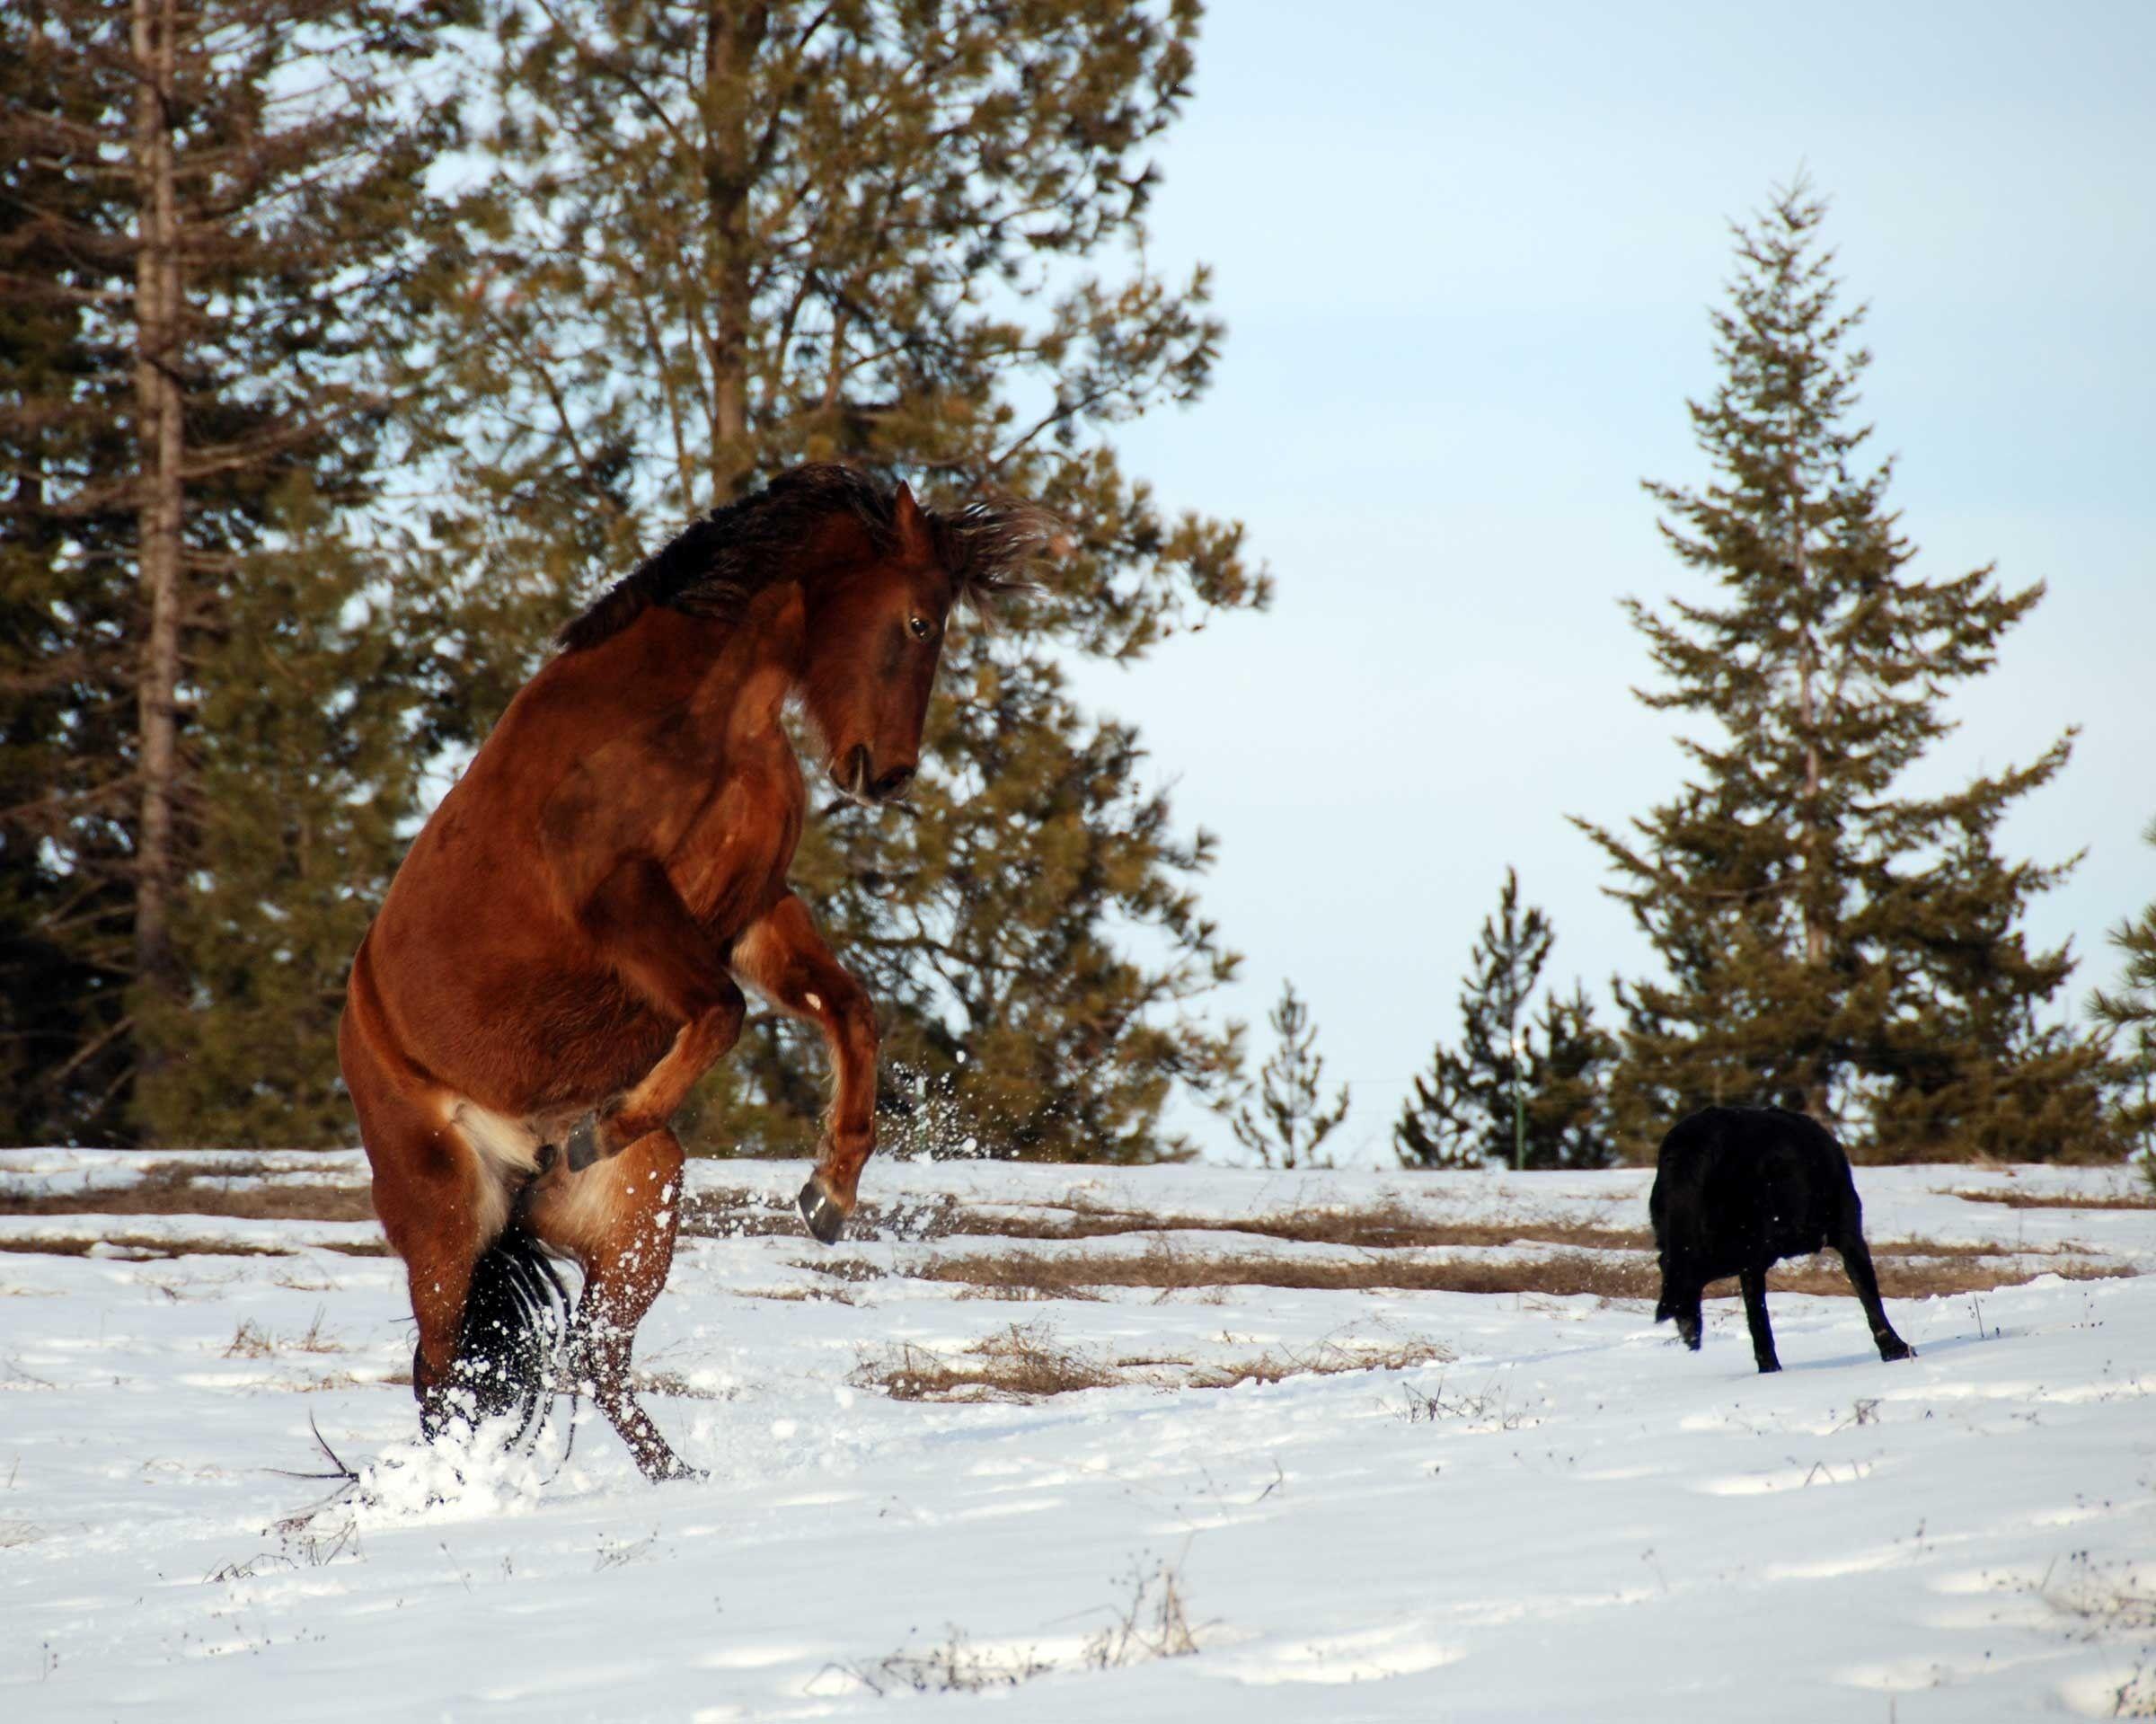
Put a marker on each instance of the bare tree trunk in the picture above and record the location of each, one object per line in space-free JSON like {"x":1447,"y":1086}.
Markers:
{"x":160,"y":501}
{"x":732,"y":37}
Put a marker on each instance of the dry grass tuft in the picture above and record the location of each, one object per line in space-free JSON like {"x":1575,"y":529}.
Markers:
{"x":2039,"y":1200}
{"x":249,"y":1342}
{"x":619,"y":1554}
{"x":1907,"y":1270}
{"x":736,"y":1212}
{"x":2106,"y":1603}
{"x":1022,"y":1363}
{"x":141,"y":1248}
{"x":1071,"y":1274}
{"x":337,"y":1380}
{"x":1390,"y":1224}
{"x":1327,"y":1358}
{"x":1155,"y":1623}
{"x":672,"y":1383}
{"x":315,"y":1341}
{"x":1931,"y":1277}
{"x":144,"y":1249}
{"x":178,"y":1190}
{"x":1936,"y":1248}
{"x":833,"y":1295}
{"x":1027,"y":1362}
{"x":2106,"y":1598}
{"x":957,"y":1667}
{"x":853,"y":1269}
{"x":1018,"y":1293}
{"x":1489,"y":1409}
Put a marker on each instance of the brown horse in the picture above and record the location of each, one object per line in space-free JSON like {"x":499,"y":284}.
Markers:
{"x":563,"y":953}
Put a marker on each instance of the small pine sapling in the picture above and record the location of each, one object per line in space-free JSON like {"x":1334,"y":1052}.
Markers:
{"x":1292,"y":1119}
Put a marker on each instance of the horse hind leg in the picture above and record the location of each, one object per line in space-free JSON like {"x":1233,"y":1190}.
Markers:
{"x":441,"y":1208}
{"x":619,"y":1220}
{"x":485,"y":1300}
{"x":1856,"y":1261}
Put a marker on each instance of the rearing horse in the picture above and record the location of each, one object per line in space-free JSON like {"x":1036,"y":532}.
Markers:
{"x":564,"y":952}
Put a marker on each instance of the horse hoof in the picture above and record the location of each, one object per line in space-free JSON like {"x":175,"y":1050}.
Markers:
{"x":673,"y":1469}
{"x":820,"y":1215}
{"x":584,"y":1143}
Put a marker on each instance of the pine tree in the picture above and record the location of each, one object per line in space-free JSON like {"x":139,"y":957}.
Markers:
{"x":1567,"y":1086}
{"x":1831,"y":942}
{"x":715,"y":240}
{"x":2131,"y":1013}
{"x":1514,"y":1087}
{"x":209,"y":209}
{"x":65,"y":606}
{"x":1292,"y":1119}
{"x":1439,"y":1129}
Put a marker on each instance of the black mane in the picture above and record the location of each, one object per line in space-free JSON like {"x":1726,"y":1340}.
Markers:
{"x":716,"y":564}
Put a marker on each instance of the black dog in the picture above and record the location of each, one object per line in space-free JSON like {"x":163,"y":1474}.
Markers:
{"x":1738,"y":1189}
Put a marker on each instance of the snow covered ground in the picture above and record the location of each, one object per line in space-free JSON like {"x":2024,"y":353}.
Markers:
{"x":1557,"y":1514}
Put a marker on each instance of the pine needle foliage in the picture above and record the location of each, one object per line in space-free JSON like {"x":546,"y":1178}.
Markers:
{"x":1482,"y":1103}
{"x":208,"y":212}
{"x":1287,"y":1119}
{"x":711,"y":241}
{"x":1831,"y":939}
{"x":66,"y":597}
{"x":2130,"y":1010}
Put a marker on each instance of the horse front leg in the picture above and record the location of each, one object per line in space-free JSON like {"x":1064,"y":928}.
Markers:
{"x":651,"y":940}
{"x":784,"y":957}
{"x":1754,"y":1284}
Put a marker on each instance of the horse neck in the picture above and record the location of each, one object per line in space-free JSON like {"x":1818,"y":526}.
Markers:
{"x":757,"y":665}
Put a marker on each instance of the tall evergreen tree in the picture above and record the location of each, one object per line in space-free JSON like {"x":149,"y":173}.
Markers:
{"x":2130,"y":1010}
{"x":717,"y":239}
{"x":1291,"y":1118}
{"x":1831,"y":942}
{"x":1515,"y":1086}
{"x":66,"y":592}
{"x":206,"y":209}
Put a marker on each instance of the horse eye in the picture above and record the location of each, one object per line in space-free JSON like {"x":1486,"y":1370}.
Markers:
{"x":922,"y":628}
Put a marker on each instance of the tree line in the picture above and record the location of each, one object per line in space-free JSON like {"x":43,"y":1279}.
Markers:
{"x":1828,"y":939}
{"x":346,"y":346}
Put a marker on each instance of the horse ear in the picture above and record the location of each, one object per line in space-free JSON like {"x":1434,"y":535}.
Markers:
{"x":910,"y":522}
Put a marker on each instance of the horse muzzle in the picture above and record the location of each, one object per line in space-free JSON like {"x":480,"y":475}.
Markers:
{"x":858,"y":778}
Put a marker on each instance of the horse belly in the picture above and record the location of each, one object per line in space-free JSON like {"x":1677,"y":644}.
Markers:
{"x":523,"y":1036}
{"x":585,"y":1040}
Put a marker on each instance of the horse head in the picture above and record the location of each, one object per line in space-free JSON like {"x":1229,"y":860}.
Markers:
{"x":876,"y":631}
{"x":875,"y":639}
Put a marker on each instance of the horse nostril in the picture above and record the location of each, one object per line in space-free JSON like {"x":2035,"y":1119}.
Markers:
{"x":893,"y":782}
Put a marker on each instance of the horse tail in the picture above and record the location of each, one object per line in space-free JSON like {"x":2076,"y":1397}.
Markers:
{"x":515,"y":1324}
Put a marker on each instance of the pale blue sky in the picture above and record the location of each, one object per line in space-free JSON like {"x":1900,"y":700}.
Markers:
{"x":1466,"y":255}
